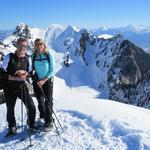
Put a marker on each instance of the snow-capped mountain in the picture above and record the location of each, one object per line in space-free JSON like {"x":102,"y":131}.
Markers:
{"x":136,"y":28}
{"x":139,"y":34}
{"x":105,"y":63}
{"x":129,"y":28}
{"x":53,"y":32}
{"x":22,"y":30}
{"x":115,"y":65}
{"x":5,"y":33}
{"x":147,"y":50}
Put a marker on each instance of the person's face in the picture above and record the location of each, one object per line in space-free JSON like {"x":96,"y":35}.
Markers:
{"x":22,"y":48}
{"x":40,"y":47}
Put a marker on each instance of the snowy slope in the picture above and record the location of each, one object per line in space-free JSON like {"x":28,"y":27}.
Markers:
{"x":89,"y":123}
{"x":5,"y":33}
{"x":53,"y":32}
{"x":37,"y":33}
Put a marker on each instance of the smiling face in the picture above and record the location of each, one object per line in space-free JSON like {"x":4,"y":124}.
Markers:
{"x":40,"y":47}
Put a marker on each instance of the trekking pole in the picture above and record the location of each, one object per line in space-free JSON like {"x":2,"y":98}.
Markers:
{"x":22,"y":113}
{"x":51,"y":110}
{"x":57,"y":131}
{"x":28,"y":122}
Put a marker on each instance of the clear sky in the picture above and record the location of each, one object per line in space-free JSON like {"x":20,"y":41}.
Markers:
{"x":81,"y":13}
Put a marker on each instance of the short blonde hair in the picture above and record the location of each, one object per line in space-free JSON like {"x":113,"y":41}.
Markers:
{"x":40,"y":41}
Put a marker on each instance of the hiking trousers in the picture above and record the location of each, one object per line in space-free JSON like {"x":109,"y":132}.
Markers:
{"x":11,"y":95}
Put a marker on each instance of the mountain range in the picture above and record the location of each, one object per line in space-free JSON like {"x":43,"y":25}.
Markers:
{"x":113,"y":65}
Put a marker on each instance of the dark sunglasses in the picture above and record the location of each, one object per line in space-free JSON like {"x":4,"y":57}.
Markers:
{"x":21,"y":45}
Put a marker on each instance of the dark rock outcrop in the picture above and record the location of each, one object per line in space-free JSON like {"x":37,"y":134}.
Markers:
{"x":129,"y":75}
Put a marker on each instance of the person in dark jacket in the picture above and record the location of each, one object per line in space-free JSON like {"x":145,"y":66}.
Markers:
{"x":44,"y":66}
{"x":17,"y":67}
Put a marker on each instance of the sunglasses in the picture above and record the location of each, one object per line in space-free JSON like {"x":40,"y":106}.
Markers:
{"x":21,"y":46}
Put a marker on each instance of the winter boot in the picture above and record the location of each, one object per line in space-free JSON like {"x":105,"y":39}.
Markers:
{"x":12,"y":131}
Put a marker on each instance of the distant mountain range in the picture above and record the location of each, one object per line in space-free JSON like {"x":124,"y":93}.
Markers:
{"x":140,"y":35}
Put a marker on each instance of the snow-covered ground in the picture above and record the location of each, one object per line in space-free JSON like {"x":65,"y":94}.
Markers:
{"x":105,"y":36}
{"x":89,"y":123}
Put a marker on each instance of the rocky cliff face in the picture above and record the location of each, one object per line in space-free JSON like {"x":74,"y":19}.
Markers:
{"x":23,"y":30}
{"x":128,"y":78}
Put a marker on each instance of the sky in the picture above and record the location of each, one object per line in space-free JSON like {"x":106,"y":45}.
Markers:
{"x":80,"y":13}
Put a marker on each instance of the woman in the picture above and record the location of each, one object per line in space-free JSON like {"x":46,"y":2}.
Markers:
{"x":43,"y":65}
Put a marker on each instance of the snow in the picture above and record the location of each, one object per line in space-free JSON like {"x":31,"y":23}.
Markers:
{"x":53,"y":32}
{"x":38,"y":33}
{"x":89,"y":123}
{"x":7,"y":41}
{"x":147,"y":50}
{"x":128,"y":28}
{"x":137,"y":28}
{"x":105,"y":36}
{"x":138,"y":34}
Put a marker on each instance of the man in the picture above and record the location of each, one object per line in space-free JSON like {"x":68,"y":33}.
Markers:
{"x":17,"y":67}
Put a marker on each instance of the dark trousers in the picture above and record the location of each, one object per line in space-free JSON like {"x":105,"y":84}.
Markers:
{"x":11,"y":95}
{"x":45,"y":106}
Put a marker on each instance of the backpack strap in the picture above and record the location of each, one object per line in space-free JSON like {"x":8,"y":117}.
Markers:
{"x":47,"y":56}
{"x":27,"y":59}
{"x":11,"y":56}
{"x":33,"y":60}
{"x":39,"y":59}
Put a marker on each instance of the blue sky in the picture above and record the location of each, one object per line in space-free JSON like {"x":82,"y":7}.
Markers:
{"x":81,"y":13}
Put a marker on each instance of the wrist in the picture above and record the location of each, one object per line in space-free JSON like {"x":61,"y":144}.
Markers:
{"x":45,"y":79}
{"x":10,"y":77}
